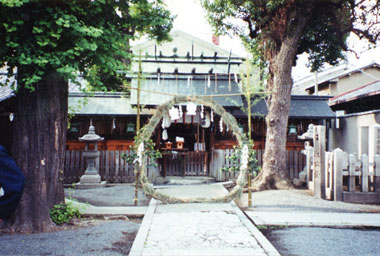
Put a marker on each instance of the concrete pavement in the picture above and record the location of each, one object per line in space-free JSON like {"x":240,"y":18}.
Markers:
{"x":198,"y":229}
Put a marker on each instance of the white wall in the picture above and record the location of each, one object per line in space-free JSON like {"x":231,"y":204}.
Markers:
{"x":349,"y":136}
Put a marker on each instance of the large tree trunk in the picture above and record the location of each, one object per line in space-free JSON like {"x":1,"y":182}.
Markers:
{"x":38,"y":148}
{"x":281,"y":58}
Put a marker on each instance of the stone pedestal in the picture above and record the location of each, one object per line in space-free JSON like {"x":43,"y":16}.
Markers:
{"x":90,"y":178}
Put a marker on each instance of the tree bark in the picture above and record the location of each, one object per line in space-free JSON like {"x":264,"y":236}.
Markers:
{"x":38,"y":148}
{"x":281,"y":58}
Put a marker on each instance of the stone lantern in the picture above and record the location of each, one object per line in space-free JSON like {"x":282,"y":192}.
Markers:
{"x":308,"y":152}
{"x":91,"y":175}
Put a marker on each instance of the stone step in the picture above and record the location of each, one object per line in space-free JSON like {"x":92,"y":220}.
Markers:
{"x":178,"y":180}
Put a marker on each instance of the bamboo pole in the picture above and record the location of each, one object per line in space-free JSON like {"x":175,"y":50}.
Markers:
{"x":137,"y":170}
{"x":248,"y":97}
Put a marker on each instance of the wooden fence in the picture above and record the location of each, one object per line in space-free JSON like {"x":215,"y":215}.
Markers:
{"x":112,"y":167}
{"x":295,"y":163}
{"x":339,"y":176}
{"x":352,"y":179}
{"x":191,"y":163}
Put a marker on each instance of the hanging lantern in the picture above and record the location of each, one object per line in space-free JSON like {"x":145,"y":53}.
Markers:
{"x":202,"y":112}
{"x":74,"y":127}
{"x":292,"y":129}
{"x":113,"y":124}
{"x":130,"y":127}
{"x":212,"y":116}
{"x":206,"y":121}
{"x":221,"y":125}
{"x":191,"y":109}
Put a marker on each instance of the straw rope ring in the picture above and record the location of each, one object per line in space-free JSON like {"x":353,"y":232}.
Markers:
{"x":147,"y":131}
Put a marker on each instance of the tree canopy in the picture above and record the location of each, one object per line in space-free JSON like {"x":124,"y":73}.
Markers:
{"x":263,"y":24}
{"x":276,"y":31}
{"x":73,"y":36}
{"x":49,"y":42}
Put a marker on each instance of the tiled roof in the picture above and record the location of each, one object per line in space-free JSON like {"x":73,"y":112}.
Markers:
{"x":364,"y":91}
{"x":301,"y":106}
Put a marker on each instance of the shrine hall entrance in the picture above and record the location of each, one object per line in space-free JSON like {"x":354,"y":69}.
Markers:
{"x":186,"y":150}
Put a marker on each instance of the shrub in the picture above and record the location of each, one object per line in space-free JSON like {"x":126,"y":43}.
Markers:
{"x":63,"y":213}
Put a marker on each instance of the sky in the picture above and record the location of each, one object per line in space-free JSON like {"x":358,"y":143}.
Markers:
{"x":191,"y":19}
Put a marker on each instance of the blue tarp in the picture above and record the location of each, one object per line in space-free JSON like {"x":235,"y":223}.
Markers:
{"x":11,"y":182}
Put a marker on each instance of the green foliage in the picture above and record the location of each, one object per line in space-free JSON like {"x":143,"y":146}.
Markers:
{"x":75,"y":108}
{"x":63,"y":213}
{"x":99,"y":80}
{"x":150,"y":152}
{"x":235,"y":158}
{"x":264,"y":25}
{"x":73,"y":36}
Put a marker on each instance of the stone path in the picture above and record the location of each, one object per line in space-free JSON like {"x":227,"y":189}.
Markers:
{"x":198,"y":229}
{"x":200,"y":233}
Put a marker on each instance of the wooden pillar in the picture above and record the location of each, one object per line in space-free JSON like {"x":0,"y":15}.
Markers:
{"x":319,"y":161}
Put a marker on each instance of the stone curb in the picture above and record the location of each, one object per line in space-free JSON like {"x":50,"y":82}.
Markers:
{"x":90,"y":210}
{"x":261,"y":239}
{"x":312,"y":219}
{"x":138,"y":244}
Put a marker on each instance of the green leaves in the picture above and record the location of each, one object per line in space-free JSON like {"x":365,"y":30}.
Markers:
{"x":235,"y":157}
{"x":151,"y":153}
{"x":263,"y":25}
{"x":74,"y":36}
{"x":63,"y":213}
{"x":13,"y":3}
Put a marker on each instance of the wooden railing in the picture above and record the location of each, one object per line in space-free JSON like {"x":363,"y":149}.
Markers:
{"x":190,"y":163}
{"x":295,"y":163}
{"x":112,"y":167}
{"x":350,"y":179}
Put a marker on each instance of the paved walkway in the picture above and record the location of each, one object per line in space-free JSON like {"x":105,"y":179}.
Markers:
{"x":198,"y":229}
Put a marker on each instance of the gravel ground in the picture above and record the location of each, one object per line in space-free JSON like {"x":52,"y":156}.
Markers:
{"x":116,"y":237}
{"x":103,"y":238}
{"x":118,"y":195}
{"x":300,"y":201}
{"x":324,"y":241}
{"x":314,"y":240}
{"x":88,"y":237}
